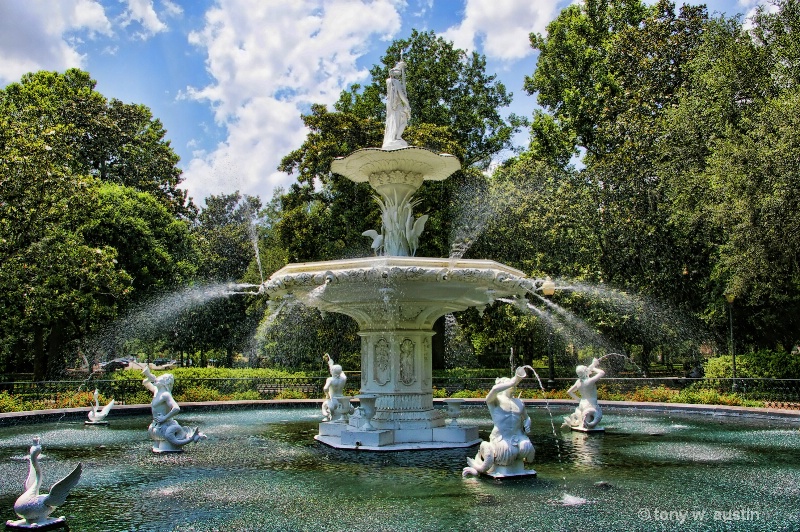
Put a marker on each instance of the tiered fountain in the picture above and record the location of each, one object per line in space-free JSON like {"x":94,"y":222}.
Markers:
{"x":396,"y":297}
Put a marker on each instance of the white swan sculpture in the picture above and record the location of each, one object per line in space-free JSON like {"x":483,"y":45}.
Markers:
{"x":97,"y":416}
{"x":34,"y":509}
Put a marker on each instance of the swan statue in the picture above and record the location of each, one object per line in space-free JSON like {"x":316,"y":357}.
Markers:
{"x":414,"y":229}
{"x":377,"y":240}
{"x":34,"y":509}
{"x":97,"y":416}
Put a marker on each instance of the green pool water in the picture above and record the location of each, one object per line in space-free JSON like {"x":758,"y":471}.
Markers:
{"x":262,"y":470}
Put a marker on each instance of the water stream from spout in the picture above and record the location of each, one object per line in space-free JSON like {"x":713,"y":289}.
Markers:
{"x":552,"y":423}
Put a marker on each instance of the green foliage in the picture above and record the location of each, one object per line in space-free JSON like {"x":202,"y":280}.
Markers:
{"x":470,"y":373}
{"x":764,"y":364}
{"x":296,"y":337}
{"x":248,"y":395}
{"x":198,"y":394}
{"x":290,"y":394}
{"x":11,"y":403}
{"x":116,"y":142}
{"x":470,"y":394}
{"x":438,"y":393}
{"x":213,"y":373}
{"x":88,"y":207}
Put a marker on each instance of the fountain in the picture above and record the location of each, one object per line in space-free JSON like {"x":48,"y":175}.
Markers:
{"x":588,"y":414}
{"x":264,"y":472}
{"x":97,"y":416}
{"x":167,"y":434}
{"x":396,"y":297}
{"x":33,"y":509}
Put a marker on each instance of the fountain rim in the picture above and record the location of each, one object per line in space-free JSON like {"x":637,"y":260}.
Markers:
{"x":79,"y":413}
{"x":393,"y":261}
{"x":358,"y":165}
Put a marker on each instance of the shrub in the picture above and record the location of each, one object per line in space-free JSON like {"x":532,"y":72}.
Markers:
{"x":660,"y":394}
{"x":74,"y":400}
{"x":764,"y":364}
{"x":199,"y":393}
{"x":536,"y":393}
{"x":470,"y":394}
{"x":139,"y":398}
{"x":290,"y":394}
{"x":10,"y":403}
{"x":439,"y":393}
{"x":249,"y":395}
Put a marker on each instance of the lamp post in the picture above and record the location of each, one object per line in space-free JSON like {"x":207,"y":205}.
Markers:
{"x":729,"y":298}
{"x":548,"y":289}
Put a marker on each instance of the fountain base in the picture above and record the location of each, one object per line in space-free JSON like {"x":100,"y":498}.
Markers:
{"x":511,"y":474}
{"x":585,"y":430}
{"x":49,"y":524}
{"x":343,"y":436}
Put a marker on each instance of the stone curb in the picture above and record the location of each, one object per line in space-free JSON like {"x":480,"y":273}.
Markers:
{"x":77,"y":414}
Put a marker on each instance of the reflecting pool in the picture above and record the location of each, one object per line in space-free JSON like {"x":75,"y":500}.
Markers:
{"x":263,"y":470}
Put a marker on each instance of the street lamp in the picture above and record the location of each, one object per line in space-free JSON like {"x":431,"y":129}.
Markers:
{"x":548,"y":289}
{"x":730,"y":297}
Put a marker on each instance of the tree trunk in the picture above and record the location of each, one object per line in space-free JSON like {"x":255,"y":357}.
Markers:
{"x":39,"y":355}
{"x":55,"y":342}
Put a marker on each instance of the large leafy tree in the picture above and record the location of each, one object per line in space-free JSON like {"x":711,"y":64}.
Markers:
{"x":114,"y":141}
{"x":74,"y":249}
{"x":733,"y":170}
{"x":608,"y":72}
{"x":226,"y":234}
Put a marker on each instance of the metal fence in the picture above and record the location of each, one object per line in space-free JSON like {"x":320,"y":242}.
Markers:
{"x":779,"y":393}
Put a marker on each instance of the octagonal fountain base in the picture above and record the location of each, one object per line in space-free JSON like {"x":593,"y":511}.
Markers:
{"x":343,"y":436}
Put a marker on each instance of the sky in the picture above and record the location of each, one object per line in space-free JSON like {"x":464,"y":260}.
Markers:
{"x":229,"y":79}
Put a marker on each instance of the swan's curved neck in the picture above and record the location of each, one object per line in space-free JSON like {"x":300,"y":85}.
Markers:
{"x":34,"y":480}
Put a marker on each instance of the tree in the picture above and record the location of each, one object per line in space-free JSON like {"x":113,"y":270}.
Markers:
{"x":226,"y":233}
{"x":73,"y":249}
{"x":117,"y":142}
{"x":732,"y":164}
{"x":455,"y":109}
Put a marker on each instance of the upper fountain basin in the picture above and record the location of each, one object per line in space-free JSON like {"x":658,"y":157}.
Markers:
{"x":406,"y":292}
{"x":402,"y":169}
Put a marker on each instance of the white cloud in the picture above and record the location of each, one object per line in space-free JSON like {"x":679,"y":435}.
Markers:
{"x":171,"y":8}
{"x":143,"y":12}
{"x":269,"y":61}
{"x":502,"y":26}
{"x":35,"y":34}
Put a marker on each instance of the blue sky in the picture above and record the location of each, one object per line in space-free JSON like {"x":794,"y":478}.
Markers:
{"x":230,"y":78}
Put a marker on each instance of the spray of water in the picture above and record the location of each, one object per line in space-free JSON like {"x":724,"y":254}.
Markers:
{"x":477,"y":207}
{"x":159,"y":314}
{"x":252,"y":232}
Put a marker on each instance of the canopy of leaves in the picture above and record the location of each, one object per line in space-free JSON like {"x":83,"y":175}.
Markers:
{"x":117,"y":142}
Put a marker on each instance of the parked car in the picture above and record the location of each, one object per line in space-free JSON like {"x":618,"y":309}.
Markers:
{"x":164,"y":363}
{"x":115,"y":364}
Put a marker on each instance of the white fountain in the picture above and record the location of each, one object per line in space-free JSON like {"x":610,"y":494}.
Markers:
{"x":97,"y":415}
{"x":396,"y":297}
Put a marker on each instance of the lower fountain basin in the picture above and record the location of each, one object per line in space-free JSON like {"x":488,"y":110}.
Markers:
{"x":263,"y":470}
{"x":397,"y":292}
